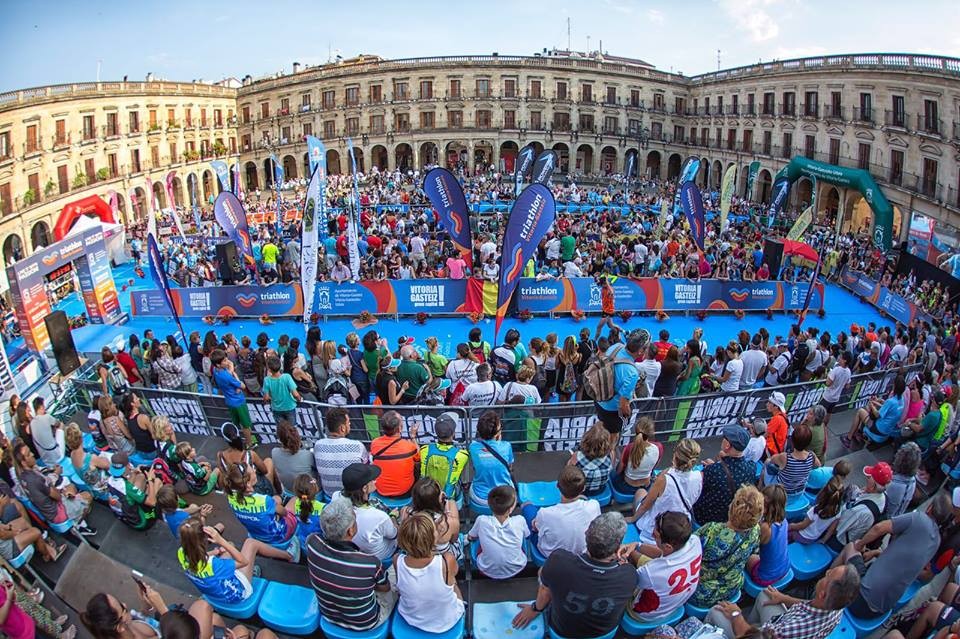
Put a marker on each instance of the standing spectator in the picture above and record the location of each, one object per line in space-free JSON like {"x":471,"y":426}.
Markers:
{"x":729,"y":376}
{"x":281,"y":391}
{"x":430,"y":600}
{"x":395,"y":456}
{"x":615,"y":412}
{"x":188,"y":376}
{"x":837,"y":380}
{"x":670,"y":369}
{"x":167,"y":370}
{"x":599,"y":586}
{"x":650,"y":368}
{"x":56,"y":505}
{"x":113,"y":380}
{"x":359,"y":375}
{"x":484,"y":391}
{"x":724,"y":476}
{"x":129,"y":365}
{"x":351,"y":584}
{"x":230,"y":386}
{"x":411,"y":374}
{"x":289,"y":459}
{"x":47,"y":434}
{"x":389,"y":389}
{"x":568,"y":376}
{"x":754,"y":363}
{"x":563,"y":525}
{"x":777,"y":425}
{"x":778,"y":372}
{"x":491,"y":458}
{"x":336,"y":451}
{"x":506,"y":359}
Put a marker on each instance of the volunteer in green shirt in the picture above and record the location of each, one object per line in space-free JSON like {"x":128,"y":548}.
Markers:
{"x":568,"y":247}
{"x":928,"y":429}
{"x":412,"y":371}
{"x":269,"y":253}
{"x":281,"y":391}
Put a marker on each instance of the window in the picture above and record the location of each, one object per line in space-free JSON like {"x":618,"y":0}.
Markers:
{"x":353,"y":126}
{"x":203,"y":117}
{"x":658,"y":102}
{"x":678,"y":106}
{"x":33,"y":183}
{"x":719,"y":110}
{"x":155,"y":156}
{"x":809,"y":146}
{"x":63,"y":181}
{"x":401,"y":90}
{"x":899,"y":115}
{"x":706,"y":106}
{"x":427,"y":119}
{"x":402,"y":122}
{"x":483,"y":88}
{"x":586,"y":93}
{"x":307,"y":129}
{"x":735,"y":105}
{"x":305,"y":100}
{"x":33,"y":139}
{"x":455,"y":119}
{"x":789,"y":103}
{"x":6,"y":201}
{"x":426,"y":89}
{"x":768,"y":101}
{"x":767,"y":143}
{"x":454,"y":89}
{"x":60,"y":135}
{"x":285,"y":135}
{"x":751,"y":107}
{"x":5,"y":151}
{"x":610,"y":124}
{"x":112,"y":127}
{"x":731,"y":139}
{"x":509,"y":119}
{"x":811,"y":98}
{"x":171,"y":117}
{"x":245,"y":114}
{"x":509,"y":88}
{"x":134,"y":166}
{"x":586,"y":122}
{"x":836,"y":105}
{"x":284,"y":106}
{"x":719,"y":137}
{"x":188,"y":116}
{"x":536,"y":120}
{"x":866,"y":107}
{"x":152,"y":118}
{"x":376,"y":93}
{"x":484,"y":119}
{"x":133,"y":120}
{"x":264,"y":109}
{"x":834,"y":151}
{"x":561,"y":90}
{"x":89,"y":133}
{"x":561,"y":121}
{"x":863,"y":156}
{"x":634,"y":97}
{"x":693,"y":135}
{"x":328,"y":99}
{"x":787,"y":149}
{"x":633,"y":126}
{"x":233,"y":145}
{"x":678,"y":133}
{"x":929,"y":184}
{"x":611,"y":95}
{"x":376,"y":124}
{"x":656,"y":130}
{"x":704,"y":136}
{"x":173,"y":151}
{"x":245,"y":142}
{"x":896,"y":167}
{"x":329,"y":128}
{"x":931,"y":121}
{"x":748,"y":140}
{"x":114,"y":167}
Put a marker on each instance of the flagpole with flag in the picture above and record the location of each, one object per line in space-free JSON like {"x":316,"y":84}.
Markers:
{"x":196,"y":208}
{"x":150,"y":206}
{"x":353,"y":213}
{"x":159,"y":277}
{"x":171,"y":195}
{"x":813,"y":284}
{"x":312,"y":215}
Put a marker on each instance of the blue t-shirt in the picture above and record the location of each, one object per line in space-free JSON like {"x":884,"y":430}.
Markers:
{"x":888,"y":423}
{"x":312,"y":525}
{"x":258,"y":514}
{"x":217,"y":579}
{"x":625,"y":377}
{"x":488,"y":471}
{"x":229,"y":387}
{"x":174,"y":520}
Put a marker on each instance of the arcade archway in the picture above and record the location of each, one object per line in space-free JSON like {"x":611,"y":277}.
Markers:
{"x":404,"y":157}
{"x":12,"y":249}
{"x":563,"y":157}
{"x":333,"y":162}
{"x":40,"y":235}
{"x":653,"y":164}
{"x":379,"y":157}
{"x":673,"y":166}
{"x":289,"y":167}
{"x":429,"y":154}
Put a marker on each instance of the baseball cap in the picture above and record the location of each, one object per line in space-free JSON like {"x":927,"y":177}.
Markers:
{"x":118,"y":464}
{"x":737,"y":436}
{"x":446,"y":425}
{"x":444,"y":384}
{"x":404,"y":340}
{"x":777,"y":399}
{"x":393,"y":363}
{"x":880,"y":473}
{"x":356,"y":476}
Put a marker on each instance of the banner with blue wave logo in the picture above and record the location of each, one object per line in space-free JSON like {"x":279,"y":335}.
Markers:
{"x":543,"y":168}
{"x":223,"y":173}
{"x":315,"y":152}
{"x":781,"y":189}
{"x":531,"y":217}
{"x":353,"y":240}
{"x":446,"y":196}
{"x":687,"y":174}
{"x":692,"y":204}
{"x":232,"y":218}
{"x":159,"y":277}
{"x":523,"y":166}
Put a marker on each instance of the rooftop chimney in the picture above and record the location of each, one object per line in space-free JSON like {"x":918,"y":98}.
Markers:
{"x":296,"y":67}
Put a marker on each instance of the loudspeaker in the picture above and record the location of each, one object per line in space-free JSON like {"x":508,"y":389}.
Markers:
{"x":61,"y":341}
{"x":227,"y":256}
{"x":773,"y":256}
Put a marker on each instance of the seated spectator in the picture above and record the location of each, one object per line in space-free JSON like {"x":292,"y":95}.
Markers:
{"x":563,"y":525}
{"x":723,"y":476}
{"x":263,"y":516}
{"x":602,"y":585}
{"x":113,"y":427}
{"x":880,"y":417}
{"x":238,"y":453}
{"x":638,"y":460}
{"x":444,"y":460}
{"x":867,"y":510}
{"x":756,"y":449}
{"x":922,"y":431}
{"x":676,"y":489}
{"x":772,"y":562}
{"x":395,"y":456}
{"x":201,"y":622}
{"x":822,"y":517}
{"x":351,"y":585}
{"x":781,"y":615}
{"x":57,"y":501}
{"x":430,"y":600}
{"x":336,"y":451}
{"x":226,"y":574}
{"x":106,"y":617}
{"x":901,"y":489}
{"x":915,"y":537}
{"x":676,"y":552}
{"x":491,"y":458}
{"x":305,"y":505}
{"x":47,"y":433}
{"x":138,"y":425}
{"x":791,"y":470}
{"x":89,"y":467}
{"x":815,"y":420}
{"x":429,"y":499}
{"x":726,"y":548}
{"x":200,"y":477}
{"x":593,"y":458}
{"x":133,"y":493}
{"x":376,"y":529}
{"x":162,"y":432}
{"x":289,"y":459}
{"x":168,"y":506}
{"x":502,"y":552}
{"x":17,"y":533}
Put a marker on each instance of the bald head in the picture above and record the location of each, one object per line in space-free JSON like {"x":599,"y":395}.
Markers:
{"x":408,"y":352}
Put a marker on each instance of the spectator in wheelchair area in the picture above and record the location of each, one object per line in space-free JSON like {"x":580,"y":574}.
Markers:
{"x":57,"y":500}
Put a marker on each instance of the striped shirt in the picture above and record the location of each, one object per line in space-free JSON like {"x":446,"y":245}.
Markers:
{"x":344,"y":579}
{"x":332,"y":455}
{"x":794,"y":475}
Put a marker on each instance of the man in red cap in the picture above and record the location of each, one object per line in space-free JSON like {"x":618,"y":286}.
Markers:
{"x":865,"y":511}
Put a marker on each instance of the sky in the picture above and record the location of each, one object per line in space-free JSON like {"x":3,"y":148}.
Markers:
{"x":46,"y":42}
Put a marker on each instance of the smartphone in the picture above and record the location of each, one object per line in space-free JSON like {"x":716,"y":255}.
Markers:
{"x":138,"y":577}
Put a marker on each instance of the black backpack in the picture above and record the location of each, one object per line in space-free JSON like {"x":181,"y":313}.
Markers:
{"x":504,"y":370}
{"x":800,"y":356}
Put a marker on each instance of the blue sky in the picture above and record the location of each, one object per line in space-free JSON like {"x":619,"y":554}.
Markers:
{"x":47,"y":42}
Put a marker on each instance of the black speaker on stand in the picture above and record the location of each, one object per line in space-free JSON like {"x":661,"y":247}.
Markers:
{"x":61,"y":341}
{"x":226,"y":258}
{"x":773,"y":256}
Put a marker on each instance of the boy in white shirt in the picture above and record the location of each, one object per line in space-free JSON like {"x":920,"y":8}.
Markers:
{"x":565,"y":524}
{"x":501,"y":554}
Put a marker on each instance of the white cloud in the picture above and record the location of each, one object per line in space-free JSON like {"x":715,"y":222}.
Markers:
{"x":655,"y":16}
{"x":786,"y":53}
{"x":754,"y":17}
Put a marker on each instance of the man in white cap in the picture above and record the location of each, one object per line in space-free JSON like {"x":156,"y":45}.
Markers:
{"x":777,"y":425}
{"x":779,"y":367}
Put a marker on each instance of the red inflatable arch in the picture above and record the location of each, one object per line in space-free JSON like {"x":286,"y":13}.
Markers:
{"x":91,"y":205}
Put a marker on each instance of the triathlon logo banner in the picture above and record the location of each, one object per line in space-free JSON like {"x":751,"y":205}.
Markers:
{"x":523,"y":167}
{"x":223,"y":173}
{"x":232,"y":218}
{"x":543,"y":168}
{"x":692,"y":204}
{"x":896,"y":306}
{"x":446,"y":196}
{"x":313,"y":217}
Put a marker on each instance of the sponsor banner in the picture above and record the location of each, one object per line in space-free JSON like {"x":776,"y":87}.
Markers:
{"x":726,"y":193}
{"x":232,"y":218}
{"x":752,"y":178}
{"x":543,"y":168}
{"x":523,"y":167}
{"x":446,"y":195}
{"x":894,"y":305}
{"x":312,"y":210}
{"x":692,"y":205}
{"x":223,"y":173}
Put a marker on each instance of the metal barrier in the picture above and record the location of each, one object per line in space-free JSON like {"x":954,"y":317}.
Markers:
{"x":535,"y":427}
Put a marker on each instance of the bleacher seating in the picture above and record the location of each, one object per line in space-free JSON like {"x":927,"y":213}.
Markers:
{"x":493,"y":621}
{"x":290,"y":609}
{"x":400,"y":629}
{"x":333,"y":631}
{"x":636,"y":628}
{"x":808,"y":561}
{"x":243,"y":609}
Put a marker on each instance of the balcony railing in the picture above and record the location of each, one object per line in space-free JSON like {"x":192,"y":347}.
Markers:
{"x":929,"y":125}
{"x":788,"y":110}
{"x":896,"y":119}
{"x":833,"y":112}
{"x":811,"y":111}
{"x":864,"y":116}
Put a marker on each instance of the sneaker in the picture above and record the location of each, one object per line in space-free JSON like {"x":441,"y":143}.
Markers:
{"x":845,"y":440}
{"x":86,"y":530}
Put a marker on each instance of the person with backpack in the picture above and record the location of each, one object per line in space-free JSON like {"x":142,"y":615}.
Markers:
{"x":133,"y":493}
{"x":479,"y":348}
{"x":505,"y":360}
{"x":462,"y":372}
{"x":866,"y":510}
{"x":611,"y":380}
{"x":113,"y":379}
{"x":444,"y":460}
{"x":778,"y":372}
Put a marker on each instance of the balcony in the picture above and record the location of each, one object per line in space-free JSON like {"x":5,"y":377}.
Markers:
{"x":929,"y":126}
{"x":733,"y":109}
{"x":88,"y":136}
{"x":327,"y":105}
{"x":154,"y":129}
{"x":31,"y":148}
{"x":896,"y":119}
{"x":811,"y":111}
{"x":956,"y":130}
{"x":658,"y":108}
{"x":788,"y":110}
{"x":61,"y":141}
{"x":535,"y":97}
{"x":833,"y":112}
{"x":864,"y":116}
{"x":767,"y":111}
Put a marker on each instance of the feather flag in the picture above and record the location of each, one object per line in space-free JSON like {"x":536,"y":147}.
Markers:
{"x":446,"y":196}
{"x":159,"y":277}
{"x":813,"y":285}
{"x":313,"y":216}
{"x":752,"y":173}
{"x":232,"y":217}
{"x":800,"y":226}
{"x":726,"y":194}
{"x":664,"y":213}
{"x":692,"y":204}
{"x":171,"y":195}
{"x":543,"y":168}
{"x":353,"y":241}
{"x":781,"y":189}
{"x":687,"y":174}
{"x":523,"y":166}
{"x":150,"y":206}
{"x":315,"y":153}
{"x":223,"y":173}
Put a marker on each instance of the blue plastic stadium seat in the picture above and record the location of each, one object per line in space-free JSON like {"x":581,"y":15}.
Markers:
{"x":536,"y":556}
{"x":493,"y":621}
{"x":400,"y":629}
{"x":23,"y":557}
{"x":797,"y":505}
{"x":333,"y":631}
{"x":952,"y":473}
{"x":864,"y":627}
{"x":874,"y":438}
{"x":242,"y":609}
{"x":759,"y":472}
{"x":475,"y":552}
{"x":539,"y":493}
{"x":62,"y":527}
{"x":554,"y":635}
{"x":604,"y":498}
{"x":479,"y":509}
{"x":908,"y":594}
{"x":89,"y":444}
{"x":637,"y":628}
{"x":290,"y":609}
{"x":621,"y":498}
{"x":808,"y":561}
{"x":700,"y":613}
{"x":393,"y":502}
{"x":633,"y":534}
{"x":142,"y":459}
{"x":71,"y":473}
{"x":843,"y":630}
{"x":753,"y":589}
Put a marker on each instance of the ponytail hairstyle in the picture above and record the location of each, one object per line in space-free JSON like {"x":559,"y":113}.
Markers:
{"x":644,"y":433}
{"x":305,"y":488}
{"x":829,"y":499}
{"x":235,"y":482}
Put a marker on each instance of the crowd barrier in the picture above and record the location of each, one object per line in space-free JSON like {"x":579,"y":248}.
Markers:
{"x":544,"y":427}
{"x":886,"y":301}
{"x":408,"y":297}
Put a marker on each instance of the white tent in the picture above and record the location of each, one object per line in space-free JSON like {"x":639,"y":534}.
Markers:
{"x":114,"y":236}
